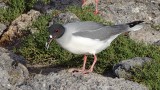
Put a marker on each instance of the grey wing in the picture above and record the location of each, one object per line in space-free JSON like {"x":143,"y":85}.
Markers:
{"x":103,"y":33}
{"x":86,"y":25}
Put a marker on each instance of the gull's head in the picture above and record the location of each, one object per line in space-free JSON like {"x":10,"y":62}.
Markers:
{"x":55,"y":32}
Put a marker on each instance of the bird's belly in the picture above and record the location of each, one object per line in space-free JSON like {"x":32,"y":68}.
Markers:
{"x":80,"y":45}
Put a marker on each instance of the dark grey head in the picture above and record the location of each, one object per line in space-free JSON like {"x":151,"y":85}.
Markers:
{"x":55,"y":32}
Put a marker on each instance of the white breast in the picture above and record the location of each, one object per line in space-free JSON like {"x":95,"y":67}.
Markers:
{"x":81,"y":45}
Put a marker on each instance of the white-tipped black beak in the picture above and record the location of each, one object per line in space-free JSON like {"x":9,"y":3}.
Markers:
{"x":48,"y":42}
{"x":47,"y":45}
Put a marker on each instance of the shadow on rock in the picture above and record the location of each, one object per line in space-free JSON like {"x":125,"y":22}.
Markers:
{"x":45,"y":70}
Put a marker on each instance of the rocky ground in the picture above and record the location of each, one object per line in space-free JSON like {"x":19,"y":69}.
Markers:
{"x":15,"y":76}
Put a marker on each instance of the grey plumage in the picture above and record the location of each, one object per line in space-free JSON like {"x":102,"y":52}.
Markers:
{"x":103,"y":33}
{"x":86,"y":25}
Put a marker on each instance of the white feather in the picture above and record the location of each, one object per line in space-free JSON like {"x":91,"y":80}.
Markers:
{"x":81,"y":45}
{"x":136,"y":27}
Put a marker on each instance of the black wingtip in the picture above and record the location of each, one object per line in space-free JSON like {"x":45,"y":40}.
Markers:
{"x":132,"y":24}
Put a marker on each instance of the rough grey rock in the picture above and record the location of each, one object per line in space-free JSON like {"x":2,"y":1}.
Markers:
{"x":63,"y":4}
{"x":55,"y":4}
{"x":17,"y":78}
{"x":19,"y":25}
{"x":118,"y":11}
{"x":3,"y":5}
{"x":63,"y":80}
{"x":68,"y":17}
{"x":123,"y":68}
{"x":147,"y":35}
{"x":12,"y":73}
{"x":157,"y":43}
{"x":2,"y":28}
{"x":43,"y":7}
{"x":64,"y":18}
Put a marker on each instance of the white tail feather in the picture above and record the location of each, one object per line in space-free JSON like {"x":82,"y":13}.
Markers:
{"x":136,"y":27}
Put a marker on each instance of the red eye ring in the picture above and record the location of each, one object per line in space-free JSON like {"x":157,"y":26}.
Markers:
{"x":57,"y":30}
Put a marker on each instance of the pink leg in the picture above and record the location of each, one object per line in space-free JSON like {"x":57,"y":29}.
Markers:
{"x":94,"y":62}
{"x":83,"y":68}
{"x":96,"y":11}
{"x":84,"y":63}
{"x":92,"y":66}
{"x":83,"y":1}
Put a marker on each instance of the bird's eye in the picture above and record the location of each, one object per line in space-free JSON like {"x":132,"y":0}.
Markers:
{"x":57,"y":30}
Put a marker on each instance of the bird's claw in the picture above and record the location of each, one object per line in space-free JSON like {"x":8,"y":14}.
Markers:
{"x":80,"y":71}
{"x":96,"y":12}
